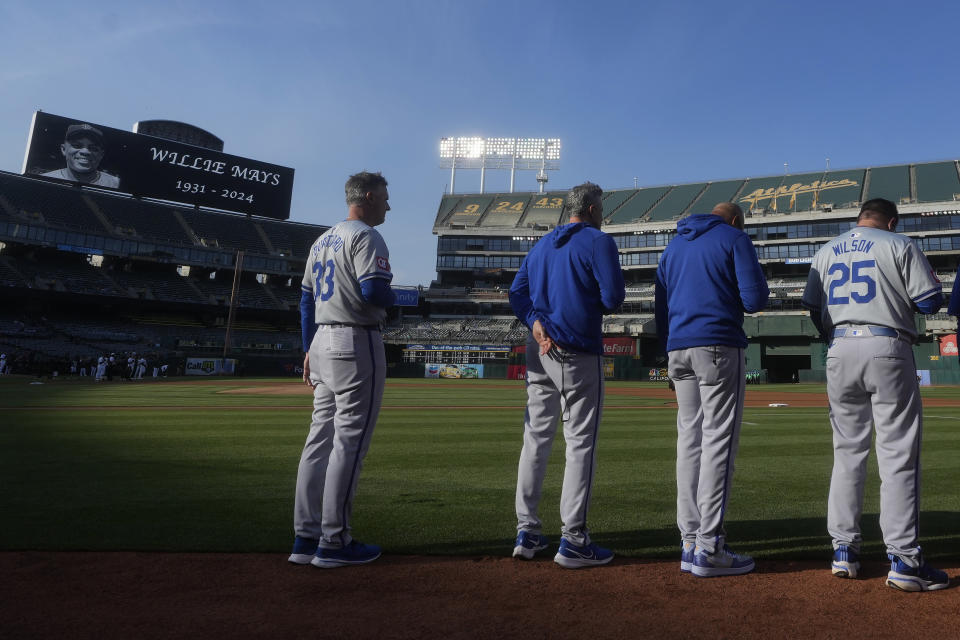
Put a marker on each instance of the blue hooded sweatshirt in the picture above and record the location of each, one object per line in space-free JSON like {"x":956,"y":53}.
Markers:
{"x":707,"y":277}
{"x":954,"y":307}
{"x":568,"y":280}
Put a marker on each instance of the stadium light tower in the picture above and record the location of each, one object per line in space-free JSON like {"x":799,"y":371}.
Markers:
{"x":532,"y":154}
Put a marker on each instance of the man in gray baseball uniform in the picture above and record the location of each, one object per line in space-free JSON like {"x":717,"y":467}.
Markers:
{"x":82,"y":150}
{"x":566,"y":283}
{"x":862,"y":292}
{"x":345,"y":293}
{"x":707,"y":278}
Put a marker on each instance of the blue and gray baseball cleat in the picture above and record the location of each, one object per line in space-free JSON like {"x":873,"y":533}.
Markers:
{"x":528,"y":544}
{"x":303,"y":550}
{"x":723,"y":562}
{"x":846,"y":562}
{"x":353,"y":553}
{"x":923,"y":578}
{"x":570,"y":556}
{"x":686,"y":556}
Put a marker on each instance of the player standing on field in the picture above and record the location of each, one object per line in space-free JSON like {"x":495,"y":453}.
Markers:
{"x":863,"y":289}
{"x":568,"y":280}
{"x":346,"y":290}
{"x":707,"y":277}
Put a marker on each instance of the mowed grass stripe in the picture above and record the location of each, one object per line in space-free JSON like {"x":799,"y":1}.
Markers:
{"x":436,"y":480}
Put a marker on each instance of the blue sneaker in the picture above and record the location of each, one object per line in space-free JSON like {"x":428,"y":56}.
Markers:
{"x":686,"y":556}
{"x":923,"y":578}
{"x":303,"y":550}
{"x":528,"y":544}
{"x":846,"y":562}
{"x":353,"y":553}
{"x":724,"y":562}
{"x":570,"y":556}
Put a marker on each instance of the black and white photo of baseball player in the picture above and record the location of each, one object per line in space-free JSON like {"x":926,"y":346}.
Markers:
{"x":83,"y":149}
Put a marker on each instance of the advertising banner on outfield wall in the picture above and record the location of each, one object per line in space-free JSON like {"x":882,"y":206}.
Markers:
{"x":619,"y":347}
{"x":433,"y":370}
{"x":948,"y":345}
{"x":75,"y":151}
{"x":211,"y":366}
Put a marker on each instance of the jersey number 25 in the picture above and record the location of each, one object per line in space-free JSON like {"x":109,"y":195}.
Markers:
{"x":854,"y":276}
{"x":323,"y":276}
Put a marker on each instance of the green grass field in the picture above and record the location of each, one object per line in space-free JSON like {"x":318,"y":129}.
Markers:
{"x":182,"y":466}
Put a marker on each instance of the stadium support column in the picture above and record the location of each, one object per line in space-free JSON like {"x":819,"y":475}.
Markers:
{"x":483,"y":169}
{"x":453,"y":174}
{"x":513,"y":165}
{"x":238,"y":267}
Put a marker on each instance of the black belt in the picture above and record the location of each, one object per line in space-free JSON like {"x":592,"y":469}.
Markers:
{"x":866,"y":331}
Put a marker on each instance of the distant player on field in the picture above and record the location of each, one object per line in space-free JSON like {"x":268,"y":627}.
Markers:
{"x":863,"y":289}
{"x":346,"y":290}
{"x":568,"y":280}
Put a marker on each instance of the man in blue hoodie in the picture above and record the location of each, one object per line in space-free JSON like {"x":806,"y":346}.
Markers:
{"x":707,"y":278}
{"x":570,"y":278}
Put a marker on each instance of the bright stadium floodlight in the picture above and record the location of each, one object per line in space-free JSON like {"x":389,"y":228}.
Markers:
{"x":537,"y":154}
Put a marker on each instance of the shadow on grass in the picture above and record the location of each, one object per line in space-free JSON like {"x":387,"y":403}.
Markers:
{"x":785,"y":539}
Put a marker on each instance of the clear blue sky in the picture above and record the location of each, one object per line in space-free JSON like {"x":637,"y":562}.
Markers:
{"x":666,"y":92}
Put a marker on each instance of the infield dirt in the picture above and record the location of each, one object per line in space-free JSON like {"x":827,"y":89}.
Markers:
{"x":150,"y":595}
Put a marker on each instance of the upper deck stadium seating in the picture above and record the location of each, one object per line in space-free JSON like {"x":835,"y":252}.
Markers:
{"x":53,"y":204}
{"x":545,"y":209}
{"x":613,"y":199}
{"x":842,"y":189}
{"x":634,"y":209}
{"x":937,"y":181}
{"x":506,"y":210}
{"x":149,"y":221}
{"x":225,"y":230}
{"x":672,"y":206}
{"x":759,"y":193}
{"x":290,"y":239}
{"x":447,"y":203}
{"x":469,"y":210}
{"x":715,"y":192}
{"x":892,"y":183}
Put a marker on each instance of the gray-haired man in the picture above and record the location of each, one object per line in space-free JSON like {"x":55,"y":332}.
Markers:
{"x":566,"y":283}
{"x":346,"y":289}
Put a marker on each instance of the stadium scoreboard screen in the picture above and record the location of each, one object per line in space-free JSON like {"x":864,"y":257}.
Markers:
{"x":76,"y":151}
{"x":454,"y":354}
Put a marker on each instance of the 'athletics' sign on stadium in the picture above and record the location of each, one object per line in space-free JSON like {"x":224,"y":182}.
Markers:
{"x":82,"y":152}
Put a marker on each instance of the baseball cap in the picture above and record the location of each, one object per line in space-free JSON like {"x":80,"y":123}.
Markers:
{"x":77,"y":130}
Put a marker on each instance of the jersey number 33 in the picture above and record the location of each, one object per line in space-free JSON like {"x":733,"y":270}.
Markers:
{"x":323,"y":277}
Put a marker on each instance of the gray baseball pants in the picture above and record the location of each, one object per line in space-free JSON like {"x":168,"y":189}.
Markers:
{"x":570,"y":390}
{"x":710,"y":387}
{"x":872,"y":384}
{"x":349,"y":368}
